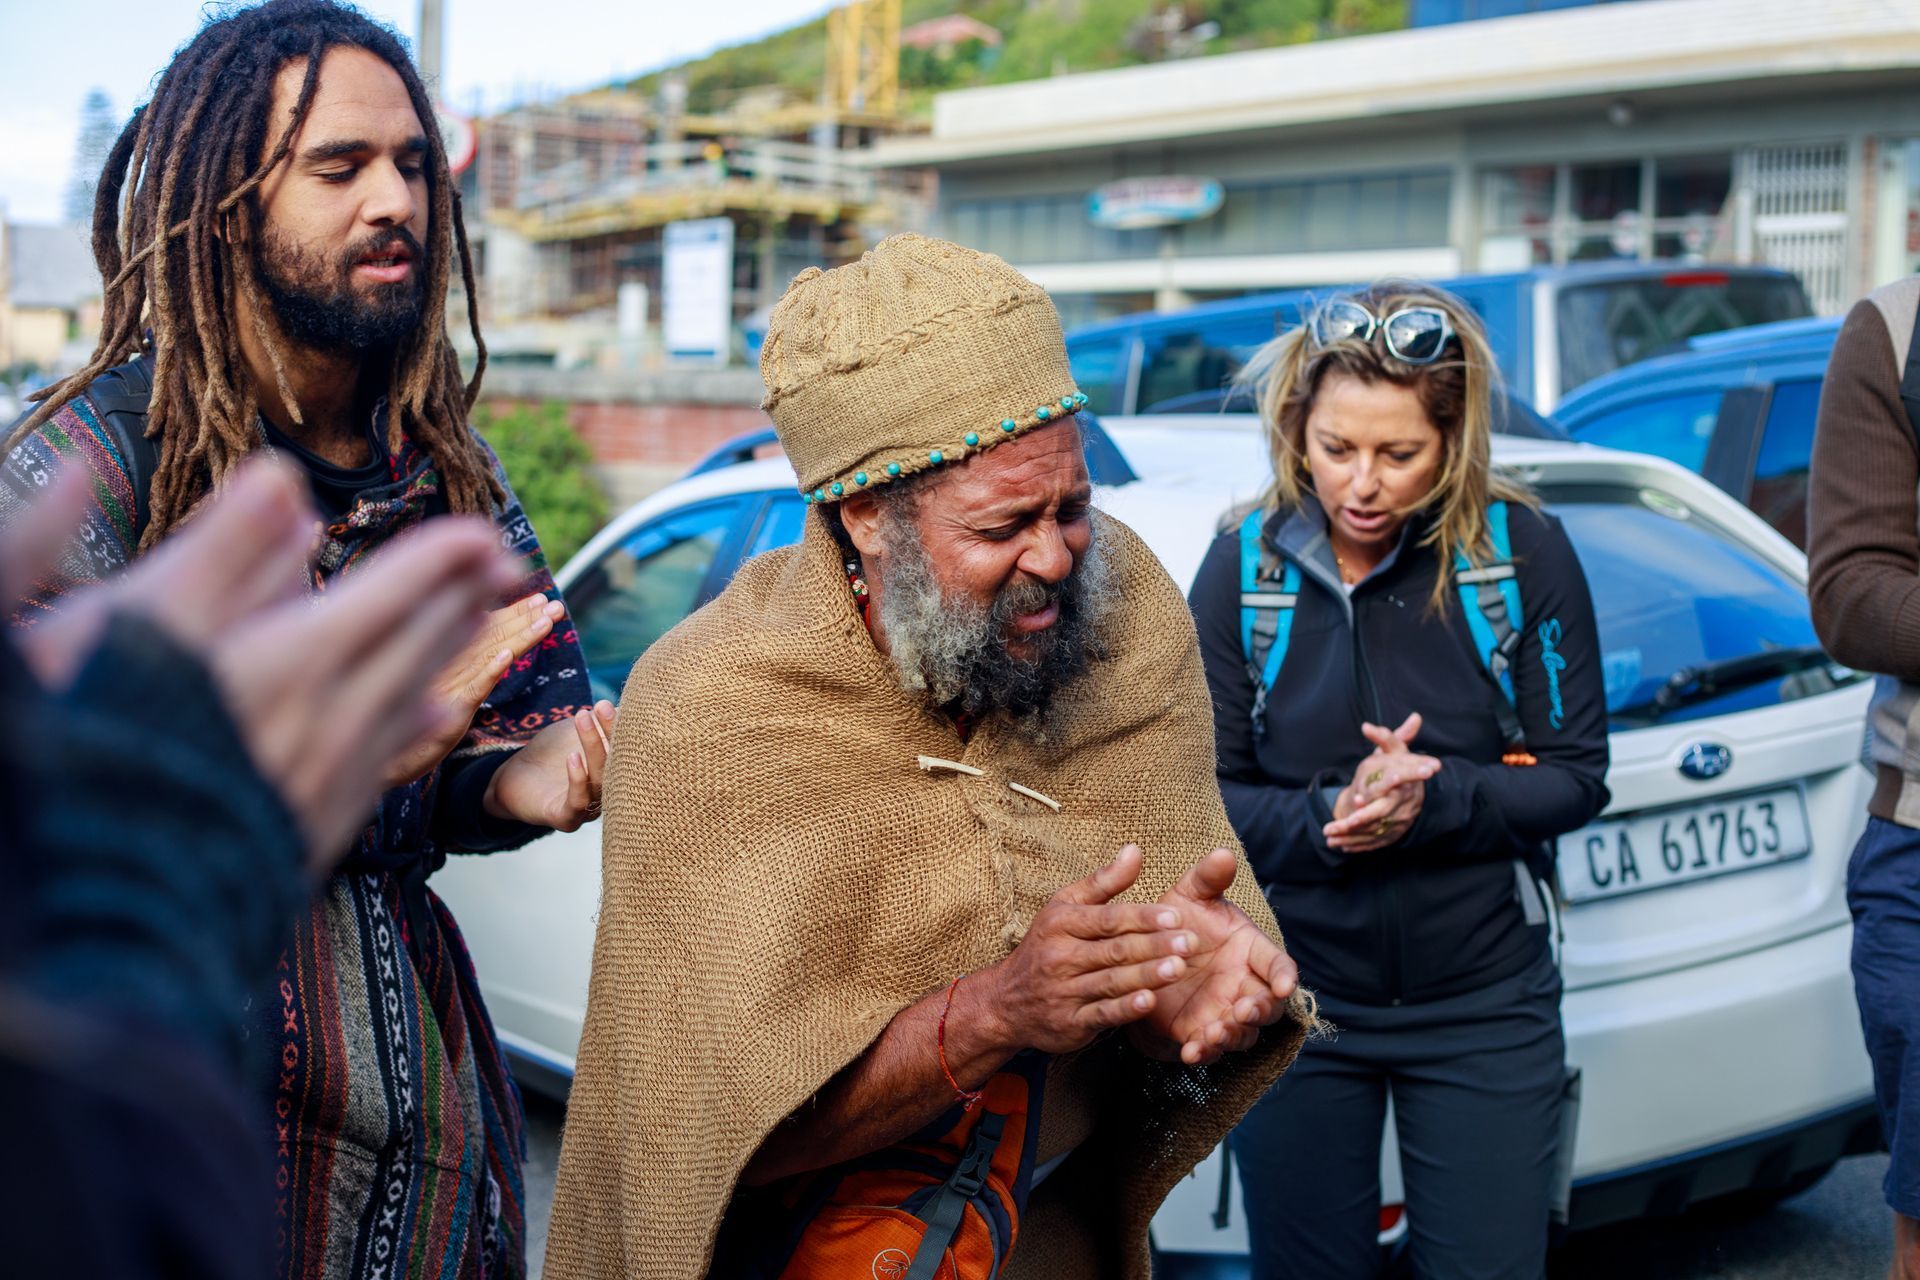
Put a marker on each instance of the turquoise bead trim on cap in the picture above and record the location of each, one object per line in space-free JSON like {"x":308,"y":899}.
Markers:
{"x":1069,"y":403}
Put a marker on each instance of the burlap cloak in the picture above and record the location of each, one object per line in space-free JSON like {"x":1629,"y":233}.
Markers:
{"x":780,"y":878}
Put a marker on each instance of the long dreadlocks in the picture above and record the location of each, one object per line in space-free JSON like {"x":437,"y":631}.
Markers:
{"x":178,"y":250}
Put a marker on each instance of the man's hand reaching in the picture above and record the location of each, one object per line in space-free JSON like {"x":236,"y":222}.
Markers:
{"x":555,"y":780}
{"x":510,"y":633}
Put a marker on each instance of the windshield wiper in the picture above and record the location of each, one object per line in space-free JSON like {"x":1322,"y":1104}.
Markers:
{"x":1694,"y":684}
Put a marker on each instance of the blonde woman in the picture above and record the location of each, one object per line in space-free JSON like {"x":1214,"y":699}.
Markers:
{"x":1408,"y":708}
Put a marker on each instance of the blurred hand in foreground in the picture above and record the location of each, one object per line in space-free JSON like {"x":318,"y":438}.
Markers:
{"x":328,"y":691}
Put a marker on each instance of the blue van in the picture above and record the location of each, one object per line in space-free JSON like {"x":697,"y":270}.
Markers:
{"x":1737,"y":407}
{"x":1552,"y":328}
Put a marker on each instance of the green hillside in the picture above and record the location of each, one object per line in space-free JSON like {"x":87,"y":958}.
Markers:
{"x":1042,"y":38}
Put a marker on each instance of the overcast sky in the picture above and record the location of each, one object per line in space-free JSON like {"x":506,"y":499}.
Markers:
{"x":497,"y":52}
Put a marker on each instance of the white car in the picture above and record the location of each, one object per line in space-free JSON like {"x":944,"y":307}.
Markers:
{"x":1708,"y":1000}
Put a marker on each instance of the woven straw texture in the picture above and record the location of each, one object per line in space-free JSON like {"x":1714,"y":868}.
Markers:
{"x":903,"y":354}
{"x":780,"y":879}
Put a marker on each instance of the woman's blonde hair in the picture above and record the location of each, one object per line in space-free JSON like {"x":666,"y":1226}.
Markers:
{"x":1457,"y":392}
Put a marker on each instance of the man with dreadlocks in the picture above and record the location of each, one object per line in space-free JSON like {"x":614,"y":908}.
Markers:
{"x":276,"y":230}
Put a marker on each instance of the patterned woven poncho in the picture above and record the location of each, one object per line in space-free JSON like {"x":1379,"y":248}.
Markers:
{"x":780,"y":879}
{"x":396,"y":1131}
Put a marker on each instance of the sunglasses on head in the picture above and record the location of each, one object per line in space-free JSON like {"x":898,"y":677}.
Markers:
{"x":1413,"y":335}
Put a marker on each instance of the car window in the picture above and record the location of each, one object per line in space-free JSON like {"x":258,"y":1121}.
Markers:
{"x":785,"y":521}
{"x":1178,"y":362}
{"x":639,"y":589}
{"x":1099,"y":368}
{"x":1606,"y":324}
{"x":1674,"y":591}
{"x":1779,"y":494}
{"x":1497,"y":303}
{"x":1677,"y":427}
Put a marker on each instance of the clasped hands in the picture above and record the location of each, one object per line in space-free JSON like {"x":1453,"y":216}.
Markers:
{"x":1387,"y":793}
{"x":1190,"y":976}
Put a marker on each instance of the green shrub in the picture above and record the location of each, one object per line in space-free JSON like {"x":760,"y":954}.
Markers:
{"x":551,"y":469}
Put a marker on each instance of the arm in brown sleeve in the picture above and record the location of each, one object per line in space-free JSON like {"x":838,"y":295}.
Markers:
{"x":1863,"y":545}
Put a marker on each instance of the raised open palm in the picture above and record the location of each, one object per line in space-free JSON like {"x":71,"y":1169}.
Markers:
{"x":1238,"y":979}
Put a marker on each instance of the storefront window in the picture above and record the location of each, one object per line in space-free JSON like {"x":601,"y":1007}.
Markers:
{"x":1602,"y":192}
{"x":1537,"y":214}
{"x":1517,"y":214}
{"x":1690,"y":186}
{"x":1521,"y":197}
{"x":1311,"y":215}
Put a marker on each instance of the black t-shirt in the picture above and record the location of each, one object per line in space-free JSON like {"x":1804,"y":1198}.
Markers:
{"x":337,"y":488}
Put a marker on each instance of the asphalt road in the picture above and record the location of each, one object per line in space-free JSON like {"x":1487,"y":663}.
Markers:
{"x":1838,"y":1230}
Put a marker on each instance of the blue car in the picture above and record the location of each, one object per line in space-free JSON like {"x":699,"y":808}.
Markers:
{"x":1737,"y":407}
{"x":1551,"y":328}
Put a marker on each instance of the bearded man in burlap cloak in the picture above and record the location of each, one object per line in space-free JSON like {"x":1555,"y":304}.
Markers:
{"x":930,"y":793}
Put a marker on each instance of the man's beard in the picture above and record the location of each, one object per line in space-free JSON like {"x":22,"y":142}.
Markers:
{"x":955,"y":651}
{"x":318,"y":305}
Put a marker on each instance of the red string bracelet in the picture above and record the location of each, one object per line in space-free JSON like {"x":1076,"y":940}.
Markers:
{"x":967,"y":1097}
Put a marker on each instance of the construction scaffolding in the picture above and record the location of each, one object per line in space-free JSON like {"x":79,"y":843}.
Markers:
{"x":575,"y":193}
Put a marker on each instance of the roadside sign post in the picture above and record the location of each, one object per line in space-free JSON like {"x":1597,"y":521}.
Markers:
{"x":696,"y":290}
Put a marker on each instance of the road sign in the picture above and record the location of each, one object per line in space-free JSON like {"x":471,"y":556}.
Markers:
{"x":458,"y":137}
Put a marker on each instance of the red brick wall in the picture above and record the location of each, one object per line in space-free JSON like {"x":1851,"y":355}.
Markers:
{"x":658,"y":435}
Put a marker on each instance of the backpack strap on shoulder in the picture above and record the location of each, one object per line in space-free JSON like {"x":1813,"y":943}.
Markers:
{"x":1490,"y":601}
{"x":121,"y":396}
{"x":1269,"y":588}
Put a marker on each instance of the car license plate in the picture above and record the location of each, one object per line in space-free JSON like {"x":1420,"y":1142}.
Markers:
{"x":1660,"y":847}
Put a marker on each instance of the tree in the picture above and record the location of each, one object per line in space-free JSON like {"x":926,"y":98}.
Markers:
{"x":551,"y":470}
{"x":99,"y":129}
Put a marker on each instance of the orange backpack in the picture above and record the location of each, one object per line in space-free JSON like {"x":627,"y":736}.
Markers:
{"x":943,"y":1205}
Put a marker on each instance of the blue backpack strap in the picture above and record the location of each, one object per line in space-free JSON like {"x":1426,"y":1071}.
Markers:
{"x":1490,"y":600}
{"x":1266,"y":614}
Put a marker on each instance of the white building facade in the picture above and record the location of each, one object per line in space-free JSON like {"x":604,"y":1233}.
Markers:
{"x":1749,"y":131}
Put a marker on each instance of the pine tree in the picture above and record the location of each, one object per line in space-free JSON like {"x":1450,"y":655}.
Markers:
{"x":98,"y":130}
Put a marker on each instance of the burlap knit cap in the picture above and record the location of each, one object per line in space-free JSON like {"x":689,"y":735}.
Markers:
{"x":922,"y":353}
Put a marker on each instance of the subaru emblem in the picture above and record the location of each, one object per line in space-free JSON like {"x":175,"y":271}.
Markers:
{"x":1704,"y":760}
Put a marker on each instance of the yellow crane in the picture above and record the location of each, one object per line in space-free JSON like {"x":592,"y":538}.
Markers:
{"x":863,"y":58}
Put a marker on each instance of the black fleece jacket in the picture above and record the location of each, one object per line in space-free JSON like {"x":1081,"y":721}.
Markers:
{"x":1439,"y":912}
{"x":148,"y":877}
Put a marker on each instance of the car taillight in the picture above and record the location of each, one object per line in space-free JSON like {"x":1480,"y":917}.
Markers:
{"x":1693,"y":279}
{"x":1390,"y":1216}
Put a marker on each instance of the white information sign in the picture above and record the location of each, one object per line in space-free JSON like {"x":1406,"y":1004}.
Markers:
{"x":696,"y":289}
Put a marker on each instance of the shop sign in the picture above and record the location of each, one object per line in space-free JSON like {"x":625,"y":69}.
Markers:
{"x":1133,"y":203}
